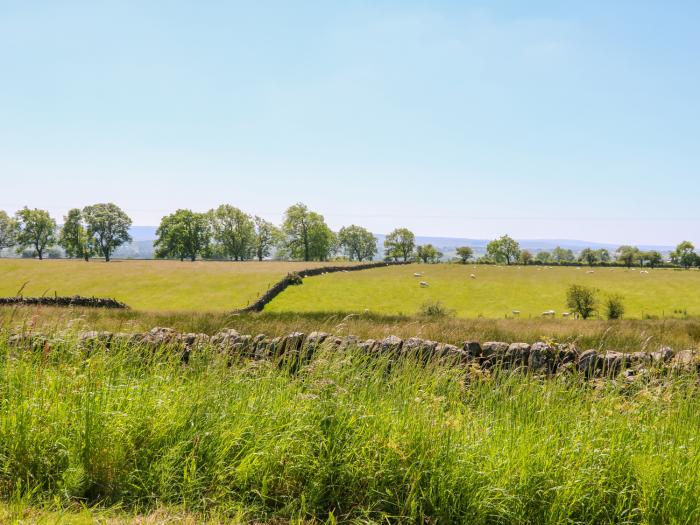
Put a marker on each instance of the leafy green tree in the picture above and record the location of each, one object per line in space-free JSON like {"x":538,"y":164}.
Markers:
{"x":543,"y":257}
{"x":465,"y":253}
{"x":588,"y":256}
{"x":107,"y":226}
{"x":359,"y":243}
{"x":581,"y":300}
{"x":562,"y":255}
{"x":183,"y":235}
{"x":36,"y":230}
{"x":307,"y":236}
{"x":684,"y":255}
{"x":654,"y":258}
{"x":8,"y":231}
{"x":627,"y":255}
{"x":400,"y":244}
{"x":603,"y":255}
{"x":428,"y":253}
{"x":233,"y":233}
{"x":525,"y":257}
{"x":503,"y":250}
{"x":267,"y":235}
{"x":74,"y":238}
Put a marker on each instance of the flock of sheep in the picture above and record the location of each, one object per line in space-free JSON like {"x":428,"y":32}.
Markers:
{"x":516,"y":313}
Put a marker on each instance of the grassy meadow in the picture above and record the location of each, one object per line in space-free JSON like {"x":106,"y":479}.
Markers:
{"x":346,"y":438}
{"x":149,"y":285}
{"x":494,"y":293}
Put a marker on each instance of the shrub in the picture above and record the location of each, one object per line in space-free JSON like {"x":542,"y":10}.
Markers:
{"x":581,"y":300}
{"x":614,"y":307}
{"x":434,"y":309}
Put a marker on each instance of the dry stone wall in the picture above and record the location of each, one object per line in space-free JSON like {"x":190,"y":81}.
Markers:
{"x":539,"y":358}
{"x":76,"y":300}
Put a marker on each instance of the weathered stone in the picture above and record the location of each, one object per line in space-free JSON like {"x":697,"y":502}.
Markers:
{"x":685,"y":360}
{"x":367,"y":345}
{"x":472,"y":349}
{"x":517,"y":354}
{"x":391,"y":344}
{"x":663,"y":355}
{"x":541,"y":357}
{"x":588,"y":362}
{"x":292,"y":342}
{"x":613,"y":362}
{"x":225,"y":339}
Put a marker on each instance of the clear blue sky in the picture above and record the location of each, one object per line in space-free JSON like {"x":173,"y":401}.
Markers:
{"x":470,"y":119}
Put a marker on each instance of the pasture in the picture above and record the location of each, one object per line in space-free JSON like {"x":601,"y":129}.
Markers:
{"x":149,"y":285}
{"x":495,"y":292}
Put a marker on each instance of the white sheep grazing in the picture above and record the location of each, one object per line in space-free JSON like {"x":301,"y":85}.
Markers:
{"x":516,"y":312}
{"x":417,"y":274}
{"x":590,"y":271}
{"x":548,"y":313}
{"x":566,"y":314}
{"x":472,"y":276}
{"x":423,"y":284}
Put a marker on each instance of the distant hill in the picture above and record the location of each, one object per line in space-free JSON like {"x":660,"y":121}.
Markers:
{"x":143,"y":236}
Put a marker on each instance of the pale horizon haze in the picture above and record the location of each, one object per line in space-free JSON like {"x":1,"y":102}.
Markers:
{"x":541,"y":120}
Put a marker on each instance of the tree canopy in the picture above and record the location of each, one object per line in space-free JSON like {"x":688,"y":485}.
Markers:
{"x":307,"y":236}
{"x":74,"y":238}
{"x":108,"y":226}
{"x":183,"y":235}
{"x":36,"y":230}
{"x":503,"y":250}
{"x":358,"y":243}
{"x":400,"y":244}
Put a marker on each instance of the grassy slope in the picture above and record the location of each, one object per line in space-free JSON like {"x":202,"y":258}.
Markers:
{"x":345,"y":435}
{"x":148,"y":285}
{"x":495,"y":292}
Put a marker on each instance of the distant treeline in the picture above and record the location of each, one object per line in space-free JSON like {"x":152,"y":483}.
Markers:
{"x":229,"y":233}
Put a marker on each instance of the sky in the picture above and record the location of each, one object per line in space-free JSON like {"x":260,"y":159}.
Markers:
{"x":551,"y":120}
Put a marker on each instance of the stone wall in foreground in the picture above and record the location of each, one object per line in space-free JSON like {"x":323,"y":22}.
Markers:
{"x":539,"y":358}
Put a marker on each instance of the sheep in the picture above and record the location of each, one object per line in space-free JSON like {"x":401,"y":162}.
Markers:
{"x":516,"y":312}
{"x":548,"y":313}
{"x":416,"y":274}
{"x":423,"y":284}
{"x":566,"y":314}
{"x":644,"y":271}
{"x":590,"y":271}
{"x":472,"y":276}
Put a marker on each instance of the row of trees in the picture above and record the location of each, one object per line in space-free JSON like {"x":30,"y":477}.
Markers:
{"x":227,"y":232}
{"x":95,"y":230}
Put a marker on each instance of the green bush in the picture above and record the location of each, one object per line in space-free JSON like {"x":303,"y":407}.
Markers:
{"x":582,"y":300}
{"x":614,"y":307}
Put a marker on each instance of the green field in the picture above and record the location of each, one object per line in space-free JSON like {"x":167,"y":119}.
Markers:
{"x":148,"y":285}
{"x":494,"y":293}
{"x":171,"y":286}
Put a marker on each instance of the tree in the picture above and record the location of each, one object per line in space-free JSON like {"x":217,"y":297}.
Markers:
{"x":543,"y":257}
{"x":562,"y":255}
{"x":107,"y":226}
{"x":183,"y":235}
{"x":8,"y":231}
{"x":525,"y":257}
{"x":359,"y":244}
{"x":684,"y":255}
{"x":36,"y":230}
{"x":627,"y":255}
{"x":588,"y":256}
{"x":400,"y":244}
{"x":503,"y":250}
{"x":267,"y":235}
{"x":654,"y":258}
{"x":465,"y":253}
{"x":428,"y":254}
{"x":581,"y":300}
{"x":74,"y":238}
{"x":603,"y":255}
{"x":233,"y":232}
{"x":307,"y":236}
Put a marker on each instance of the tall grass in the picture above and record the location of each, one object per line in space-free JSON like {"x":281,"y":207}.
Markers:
{"x":343,"y":438}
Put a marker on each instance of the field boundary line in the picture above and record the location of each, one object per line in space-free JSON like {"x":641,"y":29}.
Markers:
{"x":296,"y":279}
